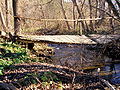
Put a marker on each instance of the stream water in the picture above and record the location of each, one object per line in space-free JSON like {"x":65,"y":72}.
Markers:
{"x":112,"y":73}
{"x":78,"y":56}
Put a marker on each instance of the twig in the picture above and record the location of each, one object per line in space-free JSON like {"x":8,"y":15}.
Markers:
{"x":73,"y":80}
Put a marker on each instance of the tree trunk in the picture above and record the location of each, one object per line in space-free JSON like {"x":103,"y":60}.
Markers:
{"x":101,"y":13}
{"x":96,"y":11}
{"x":118,"y":3}
{"x":74,"y":17}
{"x":65,"y":17}
{"x":80,"y":15}
{"x":91,"y":23}
{"x":6,"y":7}
{"x":111,"y":21}
{"x":101,"y":6}
{"x":83,"y":16}
{"x":3,"y":21}
{"x":113,"y":8}
{"x":96,"y":15}
{"x":9,"y":13}
{"x":16,"y":18}
{"x":43,"y":16}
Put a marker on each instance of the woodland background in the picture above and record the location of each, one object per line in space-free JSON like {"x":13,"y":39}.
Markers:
{"x":29,"y":15}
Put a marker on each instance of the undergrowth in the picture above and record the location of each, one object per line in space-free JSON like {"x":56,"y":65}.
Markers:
{"x":11,"y":54}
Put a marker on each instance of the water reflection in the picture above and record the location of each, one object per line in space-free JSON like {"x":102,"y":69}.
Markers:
{"x":114,"y":73}
{"x":74,"y":55}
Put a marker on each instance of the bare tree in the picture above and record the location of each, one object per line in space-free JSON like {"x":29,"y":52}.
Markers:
{"x":6,"y":6}
{"x":96,"y":12}
{"x":118,"y":3}
{"x":16,"y":17}
{"x":63,"y":11}
{"x":111,"y":21}
{"x":9,"y":13}
{"x":115,"y":12}
{"x":74,"y":17}
{"x":2,"y":19}
{"x":79,"y":12}
{"x":90,"y":7}
{"x":101,"y":4}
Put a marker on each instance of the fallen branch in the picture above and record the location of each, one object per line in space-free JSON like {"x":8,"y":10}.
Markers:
{"x":108,"y":84}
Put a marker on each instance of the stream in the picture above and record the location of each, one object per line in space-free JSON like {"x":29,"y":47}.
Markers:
{"x":112,"y":73}
{"x":80,"y":58}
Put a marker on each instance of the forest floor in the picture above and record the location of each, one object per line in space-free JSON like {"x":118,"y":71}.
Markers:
{"x":23,"y":69}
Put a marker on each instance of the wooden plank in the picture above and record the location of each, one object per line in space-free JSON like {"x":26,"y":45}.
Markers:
{"x":71,"y":39}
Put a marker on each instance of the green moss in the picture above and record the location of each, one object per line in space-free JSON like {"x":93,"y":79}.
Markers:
{"x":48,"y":76}
{"x":11,"y":54}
